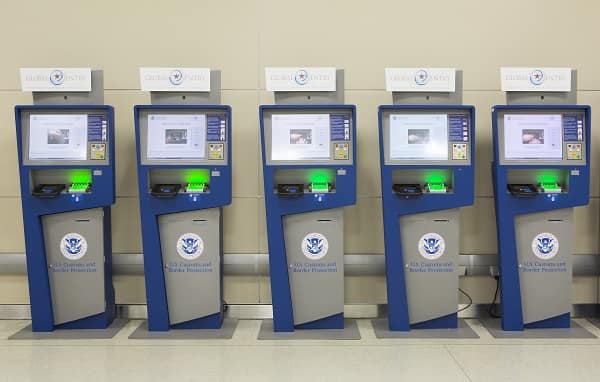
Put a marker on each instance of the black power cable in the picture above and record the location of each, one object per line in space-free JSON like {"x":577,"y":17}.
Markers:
{"x":470,"y":301}
{"x":491,"y":311}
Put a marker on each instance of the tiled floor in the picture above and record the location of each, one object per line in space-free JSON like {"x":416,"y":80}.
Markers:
{"x":245,"y":359}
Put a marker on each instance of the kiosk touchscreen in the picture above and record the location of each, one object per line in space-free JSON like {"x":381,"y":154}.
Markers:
{"x":66,"y":165}
{"x":427,"y":168}
{"x":309,"y":175}
{"x":184,"y":173}
{"x":540,"y":171}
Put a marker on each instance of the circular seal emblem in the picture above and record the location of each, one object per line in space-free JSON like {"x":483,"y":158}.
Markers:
{"x":73,"y":246}
{"x":301,"y":77}
{"x":545,"y":245}
{"x":190,"y":246}
{"x":314,"y":246}
{"x":57,"y":77}
{"x":176,"y":77}
{"x":431,"y":246}
{"x":421,"y":77}
{"x":537,"y":77}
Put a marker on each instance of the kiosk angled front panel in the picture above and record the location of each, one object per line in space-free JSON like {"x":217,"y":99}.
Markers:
{"x":430,"y":249}
{"x":191,"y":251}
{"x":314,"y":247}
{"x":544,"y":250}
{"x":75,"y":255}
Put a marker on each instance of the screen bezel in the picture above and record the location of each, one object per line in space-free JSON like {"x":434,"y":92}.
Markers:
{"x":25,"y":134}
{"x":536,"y":162}
{"x":267,"y":115}
{"x":385,"y":124}
{"x":142,"y":120}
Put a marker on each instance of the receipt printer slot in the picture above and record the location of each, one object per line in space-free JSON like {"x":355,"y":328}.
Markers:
{"x":165,"y":190}
{"x":407,"y":190}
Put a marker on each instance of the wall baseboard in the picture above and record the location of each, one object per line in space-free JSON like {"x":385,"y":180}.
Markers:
{"x":355,"y":264}
{"x":265,"y":311}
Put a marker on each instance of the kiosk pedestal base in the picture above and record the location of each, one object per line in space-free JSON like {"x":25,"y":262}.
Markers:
{"x":494,"y":327}
{"x":381,"y":328}
{"x":71,"y":334}
{"x":349,"y":332}
{"x":224,"y":333}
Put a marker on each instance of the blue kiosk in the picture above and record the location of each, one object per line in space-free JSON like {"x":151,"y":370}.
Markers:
{"x":427,"y":157}
{"x":67,"y":170}
{"x":541,"y":170}
{"x":183,"y":145}
{"x":309,"y":166}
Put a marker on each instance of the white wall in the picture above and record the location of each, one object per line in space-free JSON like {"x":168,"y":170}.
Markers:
{"x":242,"y":37}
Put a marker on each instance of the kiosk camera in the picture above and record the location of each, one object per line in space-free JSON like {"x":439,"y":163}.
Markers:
{"x":540,"y":172}
{"x":309,"y":156}
{"x":67,"y":171}
{"x":427,"y":168}
{"x":184,"y":175}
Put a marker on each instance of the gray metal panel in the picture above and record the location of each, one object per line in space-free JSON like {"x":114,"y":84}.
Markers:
{"x":314,"y":98}
{"x":431,"y":285}
{"x":545,"y":98}
{"x":94,"y":97}
{"x":317,"y":286}
{"x":538,"y":162}
{"x":213,"y":97}
{"x":143,"y":126}
{"x":76,"y":286}
{"x":193,"y":286}
{"x":454,"y":162}
{"x":25,"y":115}
{"x":268,"y":126}
{"x":432,"y":98}
{"x":545,"y":284}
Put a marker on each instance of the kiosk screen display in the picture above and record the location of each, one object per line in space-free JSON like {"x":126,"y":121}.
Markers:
{"x":176,"y":136}
{"x":58,"y":136}
{"x":419,"y":136}
{"x":533,"y":136}
{"x":297,"y":137}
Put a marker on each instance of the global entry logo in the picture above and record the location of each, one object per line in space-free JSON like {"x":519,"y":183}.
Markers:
{"x":301,"y":77}
{"x":176,"y":77}
{"x":314,"y":246}
{"x":190,"y":246}
{"x":57,"y":77}
{"x":545,"y":245}
{"x":537,"y":77}
{"x":421,"y":77}
{"x":431,"y":246}
{"x":73,"y":246}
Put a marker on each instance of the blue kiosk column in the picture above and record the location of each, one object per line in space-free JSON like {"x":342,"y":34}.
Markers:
{"x":66,"y":149}
{"x":427,"y":153}
{"x":183,"y":145}
{"x":309,"y":166}
{"x":541,"y":170}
